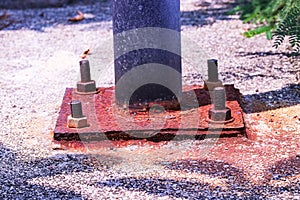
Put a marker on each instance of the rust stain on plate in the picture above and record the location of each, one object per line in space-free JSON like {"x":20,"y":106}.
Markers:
{"x":110,"y":121}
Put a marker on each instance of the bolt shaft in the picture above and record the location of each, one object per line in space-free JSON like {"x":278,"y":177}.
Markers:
{"x":213,"y":73}
{"x":219,"y":98}
{"x":85,"y":71}
{"x":76,"y":109}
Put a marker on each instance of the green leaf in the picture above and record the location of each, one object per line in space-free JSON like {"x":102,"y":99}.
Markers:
{"x":281,"y":15}
{"x":257,"y":31}
{"x":269,"y":34}
{"x":233,"y":11}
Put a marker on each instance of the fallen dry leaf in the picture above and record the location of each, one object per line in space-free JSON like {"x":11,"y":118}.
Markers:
{"x":85,"y":53}
{"x":77,"y":18}
{"x":5,"y":22}
{"x":4,"y":16}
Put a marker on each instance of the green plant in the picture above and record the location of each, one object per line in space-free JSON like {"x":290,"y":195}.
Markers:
{"x":290,"y":27}
{"x":277,"y":18}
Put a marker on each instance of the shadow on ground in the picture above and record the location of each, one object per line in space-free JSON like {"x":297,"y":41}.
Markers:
{"x":260,"y":102}
{"x":27,"y":4}
{"x":289,"y":167}
{"x":38,"y":19}
{"x":99,"y":11}
{"x":207,"y":13}
{"x":263,"y":54}
{"x":238,"y":187}
{"x":15,"y":174}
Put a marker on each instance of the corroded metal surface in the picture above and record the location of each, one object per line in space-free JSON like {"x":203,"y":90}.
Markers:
{"x":157,"y":121}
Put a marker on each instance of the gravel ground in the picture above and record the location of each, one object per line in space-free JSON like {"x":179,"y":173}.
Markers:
{"x":40,"y":53}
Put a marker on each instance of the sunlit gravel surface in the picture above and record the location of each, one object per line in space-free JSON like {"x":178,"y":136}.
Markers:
{"x":39,"y":58}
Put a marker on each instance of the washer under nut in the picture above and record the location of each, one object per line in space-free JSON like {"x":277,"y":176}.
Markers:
{"x":85,"y":85}
{"x":220,"y":116}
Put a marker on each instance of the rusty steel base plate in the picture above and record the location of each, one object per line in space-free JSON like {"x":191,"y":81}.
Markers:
{"x":107,"y":120}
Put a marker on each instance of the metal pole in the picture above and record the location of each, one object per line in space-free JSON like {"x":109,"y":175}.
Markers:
{"x":147,"y":38}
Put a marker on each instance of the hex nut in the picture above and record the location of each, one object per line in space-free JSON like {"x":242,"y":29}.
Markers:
{"x":77,"y":122}
{"x":208,"y":85}
{"x":220,"y":116}
{"x":86,"y":87}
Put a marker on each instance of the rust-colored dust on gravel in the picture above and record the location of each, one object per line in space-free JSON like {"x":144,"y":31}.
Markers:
{"x":273,"y":136}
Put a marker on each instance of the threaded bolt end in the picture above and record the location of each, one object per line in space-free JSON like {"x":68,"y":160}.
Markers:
{"x":219,"y":98}
{"x":76,"y":109}
{"x":85,"y":71}
{"x":213,"y":74}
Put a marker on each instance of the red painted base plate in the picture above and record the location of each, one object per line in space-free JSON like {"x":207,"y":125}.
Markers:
{"x":154,"y":121}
